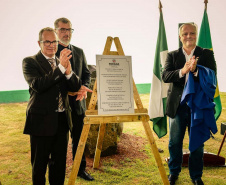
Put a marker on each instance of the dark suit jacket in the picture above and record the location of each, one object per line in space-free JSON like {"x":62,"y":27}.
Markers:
{"x":80,"y":68}
{"x":44,"y":86}
{"x":174,"y":62}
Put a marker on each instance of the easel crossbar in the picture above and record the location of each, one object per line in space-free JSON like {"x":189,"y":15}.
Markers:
{"x":104,"y":119}
{"x":95,"y":112}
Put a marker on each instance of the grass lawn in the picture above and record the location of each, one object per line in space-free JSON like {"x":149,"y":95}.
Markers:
{"x":15,"y":167}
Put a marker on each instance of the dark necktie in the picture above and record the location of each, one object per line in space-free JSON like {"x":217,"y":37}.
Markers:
{"x":60,"y":104}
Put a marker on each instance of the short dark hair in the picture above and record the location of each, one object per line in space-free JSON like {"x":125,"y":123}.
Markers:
{"x":63,"y":20}
{"x":45,"y":29}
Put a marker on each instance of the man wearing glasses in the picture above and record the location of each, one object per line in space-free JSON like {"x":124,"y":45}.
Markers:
{"x":48,"y":115}
{"x":63,"y":28}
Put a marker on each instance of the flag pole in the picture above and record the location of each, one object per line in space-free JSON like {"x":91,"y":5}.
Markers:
{"x":160,"y":6}
{"x":206,"y":1}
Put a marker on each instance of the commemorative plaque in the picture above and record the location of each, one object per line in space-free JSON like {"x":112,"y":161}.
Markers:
{"x":114,"y":84}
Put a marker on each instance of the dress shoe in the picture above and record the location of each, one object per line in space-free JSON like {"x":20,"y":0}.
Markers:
{"x":172,"y":179}
{"x":83,"y":174}
{"x":198,"y":182}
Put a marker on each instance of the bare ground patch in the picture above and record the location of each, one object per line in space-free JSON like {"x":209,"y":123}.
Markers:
{"x":129,"y":147}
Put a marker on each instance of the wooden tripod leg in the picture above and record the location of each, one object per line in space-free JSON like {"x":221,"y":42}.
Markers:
{"x":99,"y":145}
{"x":219,"y":151}
{"x":79,"y":153}
{"x":155,"y":152}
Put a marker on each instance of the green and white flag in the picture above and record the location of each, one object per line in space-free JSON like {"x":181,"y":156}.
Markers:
{"x":205,"y":41}
{"x":157,"y":103}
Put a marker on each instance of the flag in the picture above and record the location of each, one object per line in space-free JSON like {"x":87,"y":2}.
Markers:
{"x":205,"y":41}
{"x":157,"y":103}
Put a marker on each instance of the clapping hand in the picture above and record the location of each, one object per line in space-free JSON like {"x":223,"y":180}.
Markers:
{"x":65,"y":56}
{"x":186,"y":68}
{"x":193,"y":63}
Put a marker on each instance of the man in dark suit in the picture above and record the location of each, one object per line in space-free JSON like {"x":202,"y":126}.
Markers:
{"x":178,"y":64}
{"x":63,"y":28}
{"x":48,"y":115}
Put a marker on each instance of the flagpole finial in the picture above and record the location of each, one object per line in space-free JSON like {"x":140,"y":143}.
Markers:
{"x":205,"y":1}
{"x":160,"y":6}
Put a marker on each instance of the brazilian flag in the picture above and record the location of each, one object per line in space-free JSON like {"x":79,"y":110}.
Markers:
{"x":204,"y":41}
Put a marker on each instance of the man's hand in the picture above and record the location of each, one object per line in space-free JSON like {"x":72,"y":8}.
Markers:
{"x":193,"y":64}
{"x":65,"y":56}
{"x":68,"y":70}
{"x":186,"y":68}
{"x":81,"y":94}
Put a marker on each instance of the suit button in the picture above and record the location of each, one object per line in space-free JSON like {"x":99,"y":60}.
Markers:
{"x":57,"y":98}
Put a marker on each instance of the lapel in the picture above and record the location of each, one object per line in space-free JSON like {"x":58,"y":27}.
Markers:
{"x":43,"y":62}
{"x":74,"y":59}
{"x":180,"y":59}
{"x":198,"y":53}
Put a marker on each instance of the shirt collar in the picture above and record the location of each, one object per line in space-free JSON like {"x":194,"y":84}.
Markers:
{"x":192,"y":52}
{"x":54,"y":57}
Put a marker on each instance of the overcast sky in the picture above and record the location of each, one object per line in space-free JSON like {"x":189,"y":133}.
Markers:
{"x":135,"y":22}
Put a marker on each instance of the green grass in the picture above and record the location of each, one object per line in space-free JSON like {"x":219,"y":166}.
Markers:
{"x":15,"y":167}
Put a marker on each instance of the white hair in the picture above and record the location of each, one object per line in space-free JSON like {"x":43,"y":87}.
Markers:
{"x":191,"y":24}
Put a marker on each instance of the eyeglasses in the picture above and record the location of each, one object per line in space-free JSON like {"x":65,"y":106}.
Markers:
{"x":48,"y":43}
{"x":64,"y":30}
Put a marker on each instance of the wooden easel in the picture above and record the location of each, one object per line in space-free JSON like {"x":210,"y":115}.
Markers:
{"x":92,"y":117}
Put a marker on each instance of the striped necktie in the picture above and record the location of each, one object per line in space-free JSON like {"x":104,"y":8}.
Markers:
{"x":52,"y":61}
{"x":60,"y":104}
